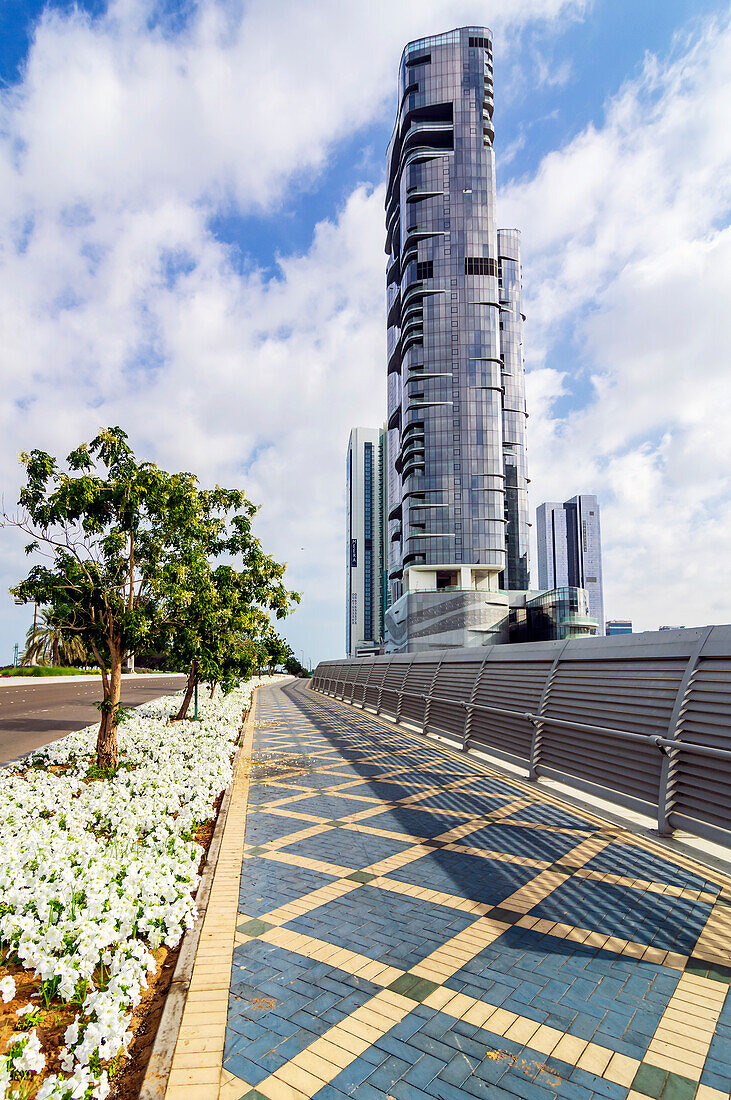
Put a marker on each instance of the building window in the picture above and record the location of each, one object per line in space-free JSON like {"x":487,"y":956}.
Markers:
{"x":484,"y":43}
{"x":422,"y":59}
{"x":368,"y":542}
{"x":425,"y":269}
{"x":479,"y":265}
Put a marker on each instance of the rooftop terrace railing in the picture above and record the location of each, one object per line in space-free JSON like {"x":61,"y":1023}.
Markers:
{"x":643,"y":720}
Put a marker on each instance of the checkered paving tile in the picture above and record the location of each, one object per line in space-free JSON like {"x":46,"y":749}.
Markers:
{"x":413,"y":926}
{"x":465,"y":876}
{"x":398,"y":930}
{"x":261,"y":892}
{"x":517,"y":841}
{"x":633,"y":862}
{"x":673,"y":924}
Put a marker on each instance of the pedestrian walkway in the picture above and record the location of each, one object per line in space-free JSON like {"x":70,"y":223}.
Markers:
{"x":412,"y":925}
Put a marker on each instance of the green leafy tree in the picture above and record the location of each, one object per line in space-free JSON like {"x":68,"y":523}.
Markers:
{"x":216,"y":630}
{"x":277,"y":650}
{"x":122,"y":541}
{"x":294,"y":668}
{"x":47,"y":644}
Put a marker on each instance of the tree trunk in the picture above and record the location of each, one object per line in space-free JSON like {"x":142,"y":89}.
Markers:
{"x":107,"y":752}
{"x":54,"y":653}
{"x":213,"y":688}
{"x":190,"y":688}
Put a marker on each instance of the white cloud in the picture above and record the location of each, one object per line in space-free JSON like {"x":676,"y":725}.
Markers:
{"x":118,"y":305}
{"x":627,"y":247}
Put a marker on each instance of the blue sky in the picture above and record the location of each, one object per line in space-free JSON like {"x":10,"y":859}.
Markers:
{"x":191,"y":208}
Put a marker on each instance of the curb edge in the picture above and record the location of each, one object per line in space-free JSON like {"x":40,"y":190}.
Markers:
{"x":154,"y":1083}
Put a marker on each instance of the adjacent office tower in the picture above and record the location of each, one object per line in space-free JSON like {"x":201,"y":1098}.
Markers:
{"x":570,"y":549}
{"x":366,"y":540}
{"x":457,"y":500}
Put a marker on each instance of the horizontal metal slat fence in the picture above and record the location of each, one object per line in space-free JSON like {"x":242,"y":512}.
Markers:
{"x":643,"y":720}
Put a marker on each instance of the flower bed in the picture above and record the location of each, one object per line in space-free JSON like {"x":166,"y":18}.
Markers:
{"x":96,"y":874}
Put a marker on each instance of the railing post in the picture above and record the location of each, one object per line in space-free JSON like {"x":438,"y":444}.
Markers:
{"x":537,"y":740}
{"x":365,"y":685}
{"x":401,"y":690}
{"x":386,"y":666}
{"x":670,"y":758}
{"x":469,"y":709}
{"x":427,"y":706}
{"x":352,"y":686}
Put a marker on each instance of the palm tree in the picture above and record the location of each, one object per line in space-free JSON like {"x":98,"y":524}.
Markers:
{"x":50,"y":645}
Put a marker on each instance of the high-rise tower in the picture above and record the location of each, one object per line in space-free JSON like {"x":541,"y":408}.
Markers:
{"x":366,"y":591}
{"x":457,"y":501}
{"x":570,"y":549}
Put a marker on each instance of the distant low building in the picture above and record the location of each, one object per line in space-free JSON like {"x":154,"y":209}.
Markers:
{"x":458,"y":614}
{"x":570,"y":549}
{"x":559,"y":613}
{"x":671,"y":628}
{"x":618,"y":626}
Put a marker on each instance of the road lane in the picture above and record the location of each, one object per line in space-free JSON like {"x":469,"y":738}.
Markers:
{"x":31,"y":715}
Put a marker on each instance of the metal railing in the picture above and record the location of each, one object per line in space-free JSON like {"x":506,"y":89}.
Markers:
{"x":676,"y":682}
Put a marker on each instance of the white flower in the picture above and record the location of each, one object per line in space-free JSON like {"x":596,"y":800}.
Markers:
{"x":7,"y":989}
{"x":98,"y":875}
{"x":25,"y":1009}
{"x":28,"y":1057}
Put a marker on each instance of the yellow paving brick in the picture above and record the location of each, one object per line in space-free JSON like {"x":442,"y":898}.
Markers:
{"x":202,"y":1075}
{"x":200,"y":1030}
{"x":459,"y":1005}
{"x":479,"y":1014}
{"x":594,"y":1059}
{"x":621,"y":1069}
{"x":682,"y":1040}
{"x":501,"y":1020}
{"x":522,"y":1030}
{"x":196,"y":1090}
{"x":276,"y":1088}
{"x":354,"y":1043}
{"x":545,"y":1039}
{"x":674,"y":1020}
{"x":668,"y":1056}
{"x":232,"y":1089}
{"x":331,"y":1052}
{"x":198,"y":1059}
{"x":315,"y":1065}
{"x":294,"y":1074}
{"x":705,"y":1092}
{"x":192,"y":1045}
{"x":569,"y":1049}
{"x":439,"y":998}
{"x":360,"y":1030}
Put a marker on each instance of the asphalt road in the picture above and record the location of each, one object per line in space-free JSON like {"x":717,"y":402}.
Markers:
{"x":31,"y":715}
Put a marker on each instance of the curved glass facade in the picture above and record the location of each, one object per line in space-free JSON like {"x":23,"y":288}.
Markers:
{"x":456,"y":399}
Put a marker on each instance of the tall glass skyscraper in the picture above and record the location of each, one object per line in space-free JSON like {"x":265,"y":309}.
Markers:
{"x":366,"y":592}
{"x":457,"y":499}
{"x":570,"y":549}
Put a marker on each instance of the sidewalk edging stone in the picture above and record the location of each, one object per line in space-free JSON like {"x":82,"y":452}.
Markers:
{"x":155,"y":1082}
